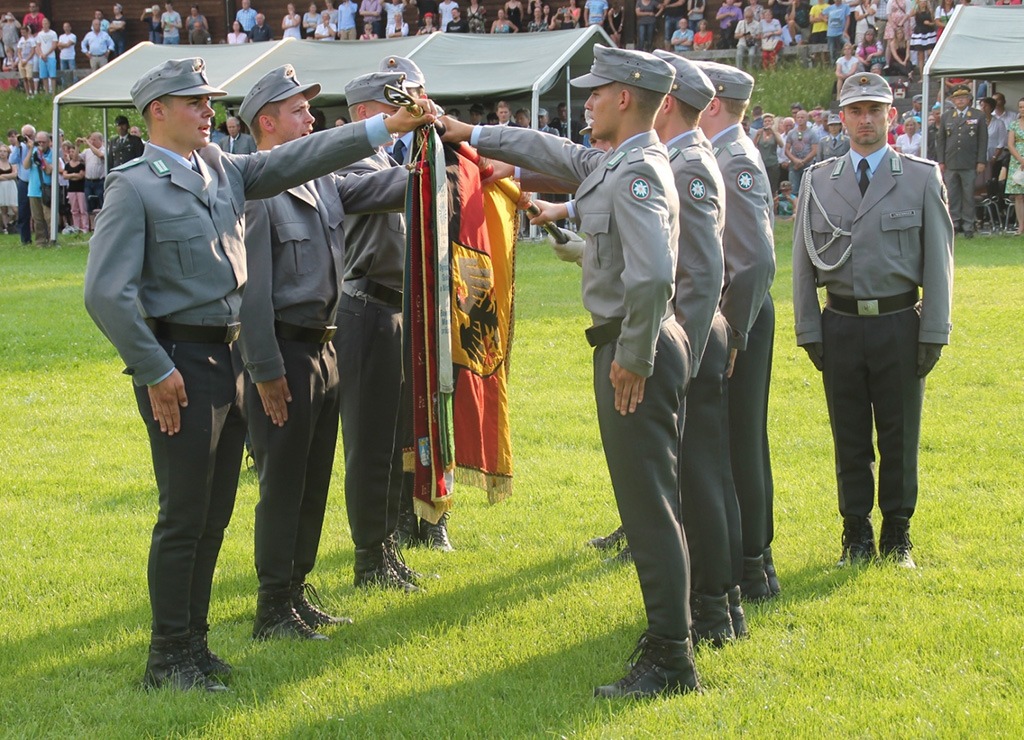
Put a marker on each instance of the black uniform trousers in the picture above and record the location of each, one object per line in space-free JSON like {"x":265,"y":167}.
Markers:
{"x":295,"y":462}
{"x":748,"y":432}
{"x":711,"y":513}
{"x":870,"y":374}
{"x":369,"y":343}
{"x":642,"y":451}
{"x":197,"y":477}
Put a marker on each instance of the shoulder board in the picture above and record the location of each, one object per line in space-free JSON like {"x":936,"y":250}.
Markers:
{"x":635,"y":154}
{"x":159,"y":167}
{"x":673,"y":153}
{"x":717,"y":150}
{"x":736,"y":148}
{"x":818,"y":165}
{"x":615,"y":160}
{"x":896,"y":165}
{"x":129,"y":164}
{"x":919,"y":160}
{"x":691,"y":154}
{"x":840,"y":165}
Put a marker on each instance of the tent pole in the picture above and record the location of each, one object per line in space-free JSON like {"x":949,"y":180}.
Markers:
{"x":926,"y":109}
{"x":55,"y":175}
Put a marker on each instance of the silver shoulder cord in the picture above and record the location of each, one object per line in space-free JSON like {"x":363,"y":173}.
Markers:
{"x":815,"y":253}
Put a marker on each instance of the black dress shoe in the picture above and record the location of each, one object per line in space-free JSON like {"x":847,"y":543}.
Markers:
{"x":307,"y":604}
{"x":736,"y":614}
{"x":755,"y":582}
{"x":615,"y":539}
{"x":207,"y":661}
{"x":276,"y":618}
{"x":435,"y":536}
{"x":661,"y":667}
{"x":769,"y":572}
{"x":172,"y":665}
{"x":894,"y":542}
{"x":858,"y":541}
{"x":373,"y":569}
{"x":711,"y":621}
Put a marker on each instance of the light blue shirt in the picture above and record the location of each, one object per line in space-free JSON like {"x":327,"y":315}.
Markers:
{"x":247,"y":18}
{"x":347,"y":15}
{"x":874,"y":159}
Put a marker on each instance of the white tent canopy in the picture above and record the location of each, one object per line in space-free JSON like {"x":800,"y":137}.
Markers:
{"x":981,"y":43}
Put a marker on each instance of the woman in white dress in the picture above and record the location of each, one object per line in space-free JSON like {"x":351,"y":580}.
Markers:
{"x":8,"y":190}
{"x":291,"y":24}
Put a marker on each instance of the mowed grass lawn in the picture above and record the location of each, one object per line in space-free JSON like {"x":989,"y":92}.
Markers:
{"x":525,"y":619}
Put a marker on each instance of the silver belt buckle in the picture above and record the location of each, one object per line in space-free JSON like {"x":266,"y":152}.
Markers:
{"x":867,"y":308}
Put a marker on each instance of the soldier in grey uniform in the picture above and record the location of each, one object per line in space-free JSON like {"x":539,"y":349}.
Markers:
{"x":962,"y":145}
{"x":628,"y":206}
{"x":164,"y":283}
{"x":871,"y":228}
{"x":295,"y":250}
{"x":369,"y":344}
{"x":834,"y":143}
{"x":747,"y":307}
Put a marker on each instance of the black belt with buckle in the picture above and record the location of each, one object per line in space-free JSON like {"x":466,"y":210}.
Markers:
{"x":384,"y":294}
{"x":604,"y":333}
{"x":295,"y":333}
{"x":225,"y":334}
{"x":873,"y":306}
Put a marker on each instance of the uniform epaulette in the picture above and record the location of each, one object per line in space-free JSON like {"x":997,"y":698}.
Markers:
{"x":691,"y":154}
{"x":816,"y":165}
{"x":736,"y":148}
{"x":673,"y":153}
{"x":920,"y":160}
{"x":129,"y":164}
{"x":614,"y":161}
{"x":636,"y":154}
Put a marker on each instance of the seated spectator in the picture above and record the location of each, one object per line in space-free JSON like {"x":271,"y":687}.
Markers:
{"x":522,"y":118}
{"x":476,"y":14}
{"x":771,"y":39}
{"x":325,"y":30}
{"x":869,"y":50}
{"x":458,"y":24}
{"x":369,"y":35}
{"x":748,"y":38}
{"x":428,"y":25}
{"x":538,"y":23}
{"x":897,"y":56}
{"x":503,"y":25}
{"x":237,"y":35}
{"x":703,"y":38}
{"x":197,"y":27}
{"x":682,"y":37}
{"x":261,"y":31}
{"x":799,"y":22}
{"x":846,"y":66}
{"x":310,"y":20}
{"x":396,"y":28}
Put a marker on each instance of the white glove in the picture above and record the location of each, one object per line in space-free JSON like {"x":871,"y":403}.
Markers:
{"x":572,"y":250}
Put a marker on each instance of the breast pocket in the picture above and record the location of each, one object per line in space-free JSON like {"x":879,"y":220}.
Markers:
{"x":597,"y":227}
{"x":901,"y":232}
{"x":183,"y":243}
{"x":825,"y":228}
{"x":295,"y":241}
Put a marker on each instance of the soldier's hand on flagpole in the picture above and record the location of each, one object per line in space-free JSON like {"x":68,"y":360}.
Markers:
{"x":549,"y":212}
{"x":455,"y":130}
{"x":569,"y":251}
{"x":403,"y":121}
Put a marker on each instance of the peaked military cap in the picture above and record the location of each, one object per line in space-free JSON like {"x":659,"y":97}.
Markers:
{"x":690,"y":84}
{"x":834,"y":120}
{"x":413,"y":76}
{"x":865,"y":87}
{"x":636,"y":68}
{"x":179,"y":77}
{"x":961,"y":90}
{"x":730,"y":82}
{"x":277,"y":84}
{"x":371,"y":87}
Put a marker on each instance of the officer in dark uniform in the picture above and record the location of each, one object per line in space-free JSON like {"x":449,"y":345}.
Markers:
{"x":962,"y":145}
{"x":746,"y":304}
{"x":871,"y":228}
{"x":369,"y":344}
{"x":164,"y":283}
{"x":295,"y":247}
{"x":628,"y":206}
{"x":124,"y":147}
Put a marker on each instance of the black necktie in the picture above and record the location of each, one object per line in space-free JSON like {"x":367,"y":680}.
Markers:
{"x":398,"y":151}
{"x":231,"y":146}
{"x":862,"y":177}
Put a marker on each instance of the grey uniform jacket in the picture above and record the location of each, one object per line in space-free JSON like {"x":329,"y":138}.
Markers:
{"x":629,"y":209}
{"x":901,"y":234}
{"x":748,"y":241}
{"x":244,"y":144}
{"x":827,"y":148}
{"x":295,"y":250}
{"x":375,"y":243}
{"x":962,"y":141}
{"x":169,"y":243}
{"x":700,"y":269}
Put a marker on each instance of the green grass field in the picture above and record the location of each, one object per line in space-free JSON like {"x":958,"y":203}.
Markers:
{"x":525,"y":620}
